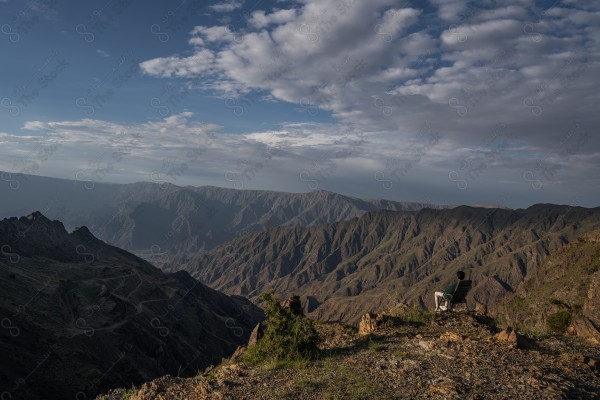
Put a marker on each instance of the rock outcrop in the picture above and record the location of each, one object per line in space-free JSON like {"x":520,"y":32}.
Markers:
{"x":510,"y":337}
{"x":294,"y":305}
{"x":256,"y":334}
{"x":367,"y":324}
{"x":584,"y":327}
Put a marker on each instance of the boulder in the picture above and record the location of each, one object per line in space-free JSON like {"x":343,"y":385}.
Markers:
{"x":370,"y":322}
{"x":256,"y":334}
{"x":238,"y":352}
{"x":294,"y":305}
{"x":480,"y":308}
{"x":583,"y":327}
{"x":426,"y":345}
{"x":367,"y":324}
{"x":514,"y":339}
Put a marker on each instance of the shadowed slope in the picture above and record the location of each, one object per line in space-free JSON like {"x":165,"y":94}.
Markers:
{"x":79,"y":316}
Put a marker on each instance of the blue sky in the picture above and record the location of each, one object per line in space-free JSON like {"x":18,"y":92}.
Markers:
{"x":95,"y":37}
{"x":488,"y":102}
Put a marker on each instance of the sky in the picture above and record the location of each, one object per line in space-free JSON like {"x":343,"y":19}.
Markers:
{"x":448,"y":102}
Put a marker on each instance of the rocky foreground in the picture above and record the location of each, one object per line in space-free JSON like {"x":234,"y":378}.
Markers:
{"x":456,"y":356}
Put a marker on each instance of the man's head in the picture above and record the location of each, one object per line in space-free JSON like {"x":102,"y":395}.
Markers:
{"x":460,"y":275}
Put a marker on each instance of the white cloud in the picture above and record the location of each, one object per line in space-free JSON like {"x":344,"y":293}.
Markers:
{"x":463,"y":69}
{"x":508,"y":12}
{"x":451,"y":10}
{"x":199,"y":63}
{"x":302,"y":157}
{"x":259,"y":19}
{"x":103,"y":53}
{"x":196,"y":41}
{"x":214,"y":33}
{"x":227,"y":6}
{"x":474,"y":35}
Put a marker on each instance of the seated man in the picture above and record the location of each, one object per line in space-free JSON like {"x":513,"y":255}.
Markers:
{"x":449,"y":290}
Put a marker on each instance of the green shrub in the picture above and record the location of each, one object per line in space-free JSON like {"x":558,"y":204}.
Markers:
{"x":286,"y":337}
{"x":402,"y":354}
{"x":375,"y":347}
{"x":127,"y":394}
{"x":559,"y":322}
{"x":417,"y":314}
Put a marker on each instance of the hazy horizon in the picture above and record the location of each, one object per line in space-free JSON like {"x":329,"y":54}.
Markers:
{"x":10,"y":179}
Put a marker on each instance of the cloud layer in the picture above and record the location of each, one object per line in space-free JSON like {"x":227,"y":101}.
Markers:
{"x":517,"y":80}
{"x":376,"y":65}
{"x":457,"y":102}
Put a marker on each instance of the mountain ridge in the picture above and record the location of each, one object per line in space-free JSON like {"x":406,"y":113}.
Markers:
{"x":348,"y":268}
{"x":157,"y":220}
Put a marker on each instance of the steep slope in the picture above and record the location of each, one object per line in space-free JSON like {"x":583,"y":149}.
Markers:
{"x":79,"y":316}
{"x":158,"y":219}
{"x":566,"y":287}
{"x":346,"y":269}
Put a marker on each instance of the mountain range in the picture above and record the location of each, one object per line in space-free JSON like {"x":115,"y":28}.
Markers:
{"x":79,"y":316}
{"x":157,"y":220}
{"x":343,"y":270}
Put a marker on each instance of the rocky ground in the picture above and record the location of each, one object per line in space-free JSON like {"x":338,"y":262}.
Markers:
{"x":456,"y":356}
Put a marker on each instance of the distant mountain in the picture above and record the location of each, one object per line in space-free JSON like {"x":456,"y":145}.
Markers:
{"x":156,"y":220}
{"x":345,"y":269}
{"x":79,"y":316}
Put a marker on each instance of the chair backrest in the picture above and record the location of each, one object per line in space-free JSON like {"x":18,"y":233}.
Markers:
{"x":460,"y":293}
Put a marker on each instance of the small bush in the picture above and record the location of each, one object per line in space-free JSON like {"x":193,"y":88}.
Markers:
{"x":127,"y":394}
{"x":392,"y":322}
{"x":402,"y":354}
{"x":287,"y":337}
{"x":376,"y":347}
{"x":559,"y":322}
{"x":417,"y":314}
{"x":537,"y":333}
